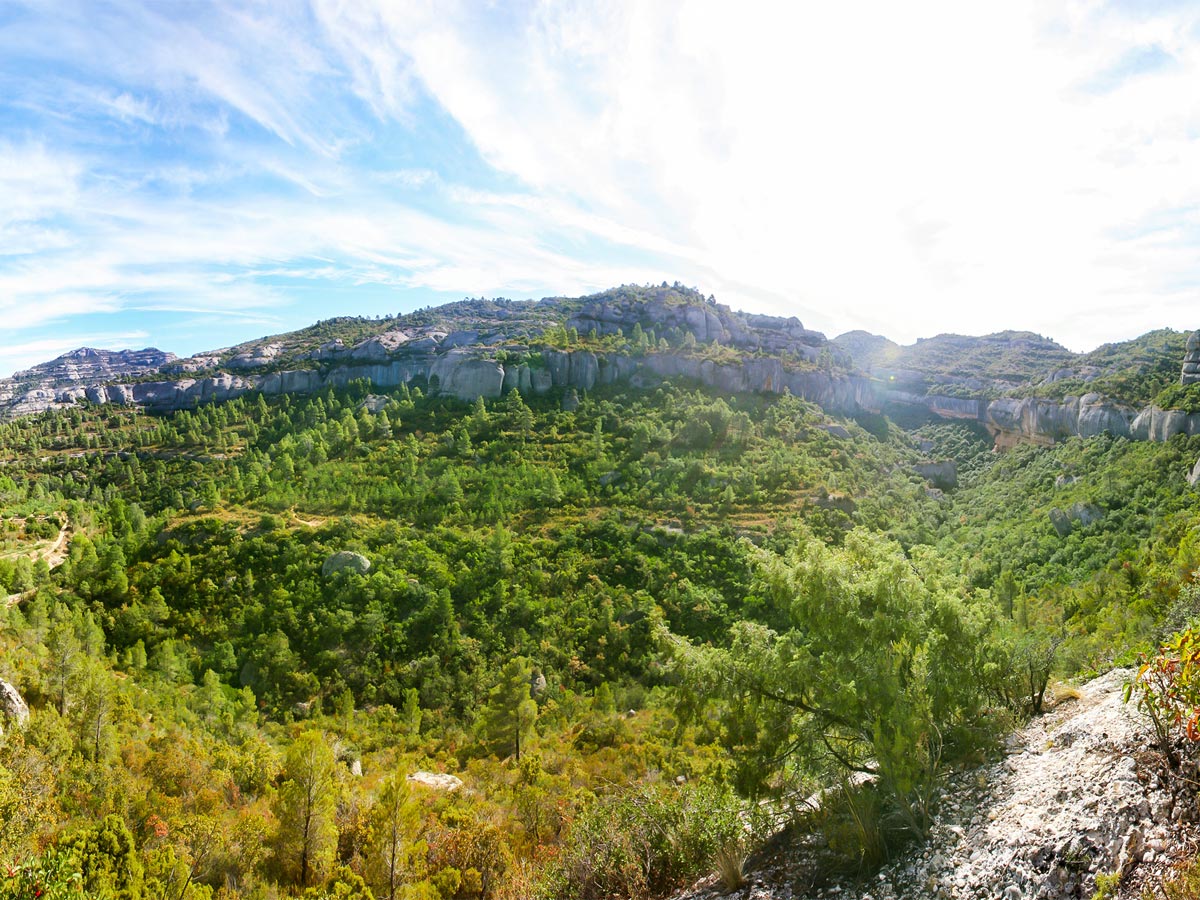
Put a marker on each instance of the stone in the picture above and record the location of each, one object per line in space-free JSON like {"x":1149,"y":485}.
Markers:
{"x":14,"y":712}
{"x":346,"y":561}
{"x":436,"y":781}
{"x":1190,"y":373}
{"x":374,"y":403}
{"x":835,"y":430}
{"x":1080,"y":514}
{"x":1194,"y":475}
{"x":380,"y":347}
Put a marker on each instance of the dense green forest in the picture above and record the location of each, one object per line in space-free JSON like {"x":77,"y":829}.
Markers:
{"x":637,"y":628}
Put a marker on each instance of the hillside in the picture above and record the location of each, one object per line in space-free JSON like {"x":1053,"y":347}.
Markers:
{"x":569,"y":599}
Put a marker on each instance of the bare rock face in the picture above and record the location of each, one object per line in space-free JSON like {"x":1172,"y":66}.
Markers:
{"x":1079,"y":515}
{"x":1154,"y":424}
{"x":13,"y":710}
{"x":941,"y":474}
{"x":1191,"y":360}
{"x":466,"y":377}
{"x":1194,"y":475}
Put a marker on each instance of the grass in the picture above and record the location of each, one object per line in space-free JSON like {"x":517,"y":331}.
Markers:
{"x":731,"y":866}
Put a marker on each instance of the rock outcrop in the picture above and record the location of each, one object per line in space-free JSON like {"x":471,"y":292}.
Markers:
{"x":1191,"y":361}
{"x":436,"y":781}
{"x":487,"y":348}
{"x":1078,"y":515}
{"x":706,"y":322}
{"x":13,"y":710}
{"x":1154,"y":424}
{"x":942,"y":473}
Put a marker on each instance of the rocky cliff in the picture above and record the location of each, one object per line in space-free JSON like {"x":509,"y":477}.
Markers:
{"x":475,"y":349}
{"x":1019,"y":386}
{"x":48,"y":385}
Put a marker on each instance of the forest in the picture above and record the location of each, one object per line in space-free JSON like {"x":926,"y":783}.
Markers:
{"x":392,"y":645}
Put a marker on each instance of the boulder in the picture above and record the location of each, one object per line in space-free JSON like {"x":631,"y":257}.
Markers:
{"x":374,"y":403}
{"x":835,"y":430}
{"x":1194,"y":475}
{"x":460,"y":339}
{"x":1079,"y":514}
{"x":436,"y":781}
{"x":380,"y":347}
{"x":346,"y":560}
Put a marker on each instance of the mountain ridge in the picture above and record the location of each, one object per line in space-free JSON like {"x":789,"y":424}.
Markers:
{"x":1021,"y":386}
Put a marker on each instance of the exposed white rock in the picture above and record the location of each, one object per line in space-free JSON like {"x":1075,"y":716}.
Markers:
{"x":1075,"y":796}
{"x":13,"y":709}
{"x":436,"y":780}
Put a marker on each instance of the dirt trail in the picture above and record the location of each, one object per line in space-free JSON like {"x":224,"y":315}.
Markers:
{"x":54,"y":555}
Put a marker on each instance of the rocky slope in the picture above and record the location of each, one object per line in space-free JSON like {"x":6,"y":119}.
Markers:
{"x":1076,"y":795}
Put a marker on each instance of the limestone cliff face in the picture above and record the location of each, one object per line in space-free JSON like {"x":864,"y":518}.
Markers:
{"x":465,"y":373}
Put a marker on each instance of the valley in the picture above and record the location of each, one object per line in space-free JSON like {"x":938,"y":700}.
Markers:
{"x":640,"y":571}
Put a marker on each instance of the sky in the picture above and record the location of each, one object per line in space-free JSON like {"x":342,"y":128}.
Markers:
{"x":188,"y":174}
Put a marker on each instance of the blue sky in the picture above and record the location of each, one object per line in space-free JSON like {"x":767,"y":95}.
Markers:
{"x":188,"y":175}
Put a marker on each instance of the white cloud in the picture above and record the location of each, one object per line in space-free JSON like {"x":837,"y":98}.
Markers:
{"x":909,"y":168}
{"x":918,"y":167}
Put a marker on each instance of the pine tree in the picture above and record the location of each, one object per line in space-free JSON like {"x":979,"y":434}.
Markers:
{"x":507,"y":720}
{"x":306,"y":807}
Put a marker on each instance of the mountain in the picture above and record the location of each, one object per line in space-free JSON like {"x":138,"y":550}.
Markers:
{"x":1018,"y":385}
{"x":70,"y":376}
{"x":484,"y":348}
